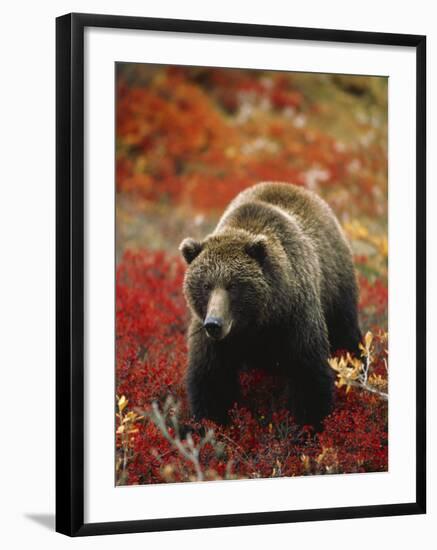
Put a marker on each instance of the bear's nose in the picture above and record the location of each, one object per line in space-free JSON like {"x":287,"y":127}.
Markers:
{"x":213,"y":326}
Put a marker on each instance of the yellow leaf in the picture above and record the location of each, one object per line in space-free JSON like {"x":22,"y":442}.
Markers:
{"x":122,"y":402}
{"x":368,"y":339}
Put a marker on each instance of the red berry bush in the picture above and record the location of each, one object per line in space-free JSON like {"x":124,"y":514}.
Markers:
{"x":262,"y":439}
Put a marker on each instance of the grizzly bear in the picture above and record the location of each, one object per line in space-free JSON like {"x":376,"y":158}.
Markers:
{"x":272,"y":287}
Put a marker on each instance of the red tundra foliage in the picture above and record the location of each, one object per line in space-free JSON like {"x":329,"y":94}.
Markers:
{"x":198,"y":137}
{"x":262,"y":439}
{"x":188,"y":140}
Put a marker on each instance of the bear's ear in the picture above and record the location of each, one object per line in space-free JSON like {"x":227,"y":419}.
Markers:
{"x":190,"y":249}
{"x":257,"y":248}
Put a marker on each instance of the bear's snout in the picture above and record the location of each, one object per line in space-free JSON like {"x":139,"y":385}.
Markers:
{"x":218,"y":320}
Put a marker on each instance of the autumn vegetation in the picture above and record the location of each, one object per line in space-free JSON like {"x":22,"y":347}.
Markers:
{"x":188,"y":140}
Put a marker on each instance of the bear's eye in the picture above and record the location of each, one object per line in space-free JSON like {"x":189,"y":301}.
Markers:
{"x":207,"y":285}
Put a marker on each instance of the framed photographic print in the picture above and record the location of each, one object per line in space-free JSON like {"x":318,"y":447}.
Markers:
{"x":240,"y":274}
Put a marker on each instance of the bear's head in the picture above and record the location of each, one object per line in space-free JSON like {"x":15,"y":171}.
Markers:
{"x":227,"y":283}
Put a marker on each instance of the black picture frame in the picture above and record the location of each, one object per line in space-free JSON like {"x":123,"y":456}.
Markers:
{"x":70,"y":273}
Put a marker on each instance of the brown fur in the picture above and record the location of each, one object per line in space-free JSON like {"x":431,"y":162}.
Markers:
{"x":280,"y":255}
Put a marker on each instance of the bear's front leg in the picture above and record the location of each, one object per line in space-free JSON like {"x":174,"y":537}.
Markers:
{"x":311,"y":391}
{"x":311,"y":380}
{"x":212,"y":378}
